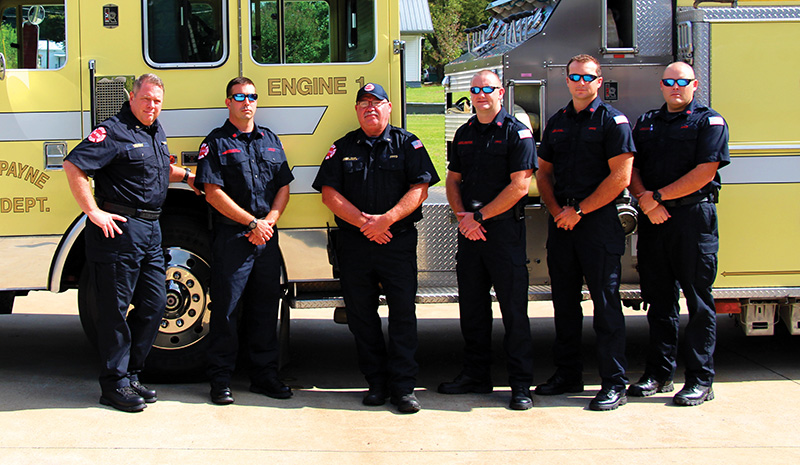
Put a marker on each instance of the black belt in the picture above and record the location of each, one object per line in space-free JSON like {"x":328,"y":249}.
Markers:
{"x":151,"y":215}
{"x":569,"y":201}
{"x":688,"y":200}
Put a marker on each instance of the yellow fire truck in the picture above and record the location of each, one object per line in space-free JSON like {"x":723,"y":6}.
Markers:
{"x":743,"y":55}
{"x":65,"y":66}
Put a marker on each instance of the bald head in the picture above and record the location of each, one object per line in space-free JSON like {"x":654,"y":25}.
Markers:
{"x":679,"y":68}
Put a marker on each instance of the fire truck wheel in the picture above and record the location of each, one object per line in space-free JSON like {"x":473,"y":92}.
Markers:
{"x":179,"y":351}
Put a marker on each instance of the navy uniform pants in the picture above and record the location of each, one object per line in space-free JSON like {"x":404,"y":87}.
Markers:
{"x":682,"y":251}
{"x":250,"y":274}
{"x":126,"y":270}
{"x":368,"y":269}
{"x":500,"y":261}
{"x":591,"y":251}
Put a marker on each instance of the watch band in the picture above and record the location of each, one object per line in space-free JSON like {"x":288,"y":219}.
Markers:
{"x":657,"y":196}
{"x":578,"y":210}
{"x":186,"y":172}
{"x":478,"y":217}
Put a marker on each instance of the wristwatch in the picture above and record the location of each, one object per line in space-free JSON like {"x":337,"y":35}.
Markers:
{"x":578,"y":210}
{"x":478,"y":217}
{"x":186,"y":172}
{"x":253,"y":224}
{"x":657,"y":196}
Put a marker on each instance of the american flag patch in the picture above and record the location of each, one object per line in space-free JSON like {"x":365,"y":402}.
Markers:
{"x":524,"y":133}
{"x":716,"y":121}
{"x":417,"y":144}
{"x":331,"y":151}
{"x":621,"y":119}
{"x":203,"y":151}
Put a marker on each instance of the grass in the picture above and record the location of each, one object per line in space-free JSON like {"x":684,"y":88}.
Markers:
{"x":426,"y":94}
{"x":430,"y":130}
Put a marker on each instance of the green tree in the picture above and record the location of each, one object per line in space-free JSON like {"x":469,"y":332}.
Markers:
{"x":8,"y":36}
{"x":449,"y":18}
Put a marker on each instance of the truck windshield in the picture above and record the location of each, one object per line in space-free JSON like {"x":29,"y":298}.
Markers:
{"x":312,"y":31}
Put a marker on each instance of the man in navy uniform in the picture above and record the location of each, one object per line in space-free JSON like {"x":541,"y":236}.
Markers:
{"x":374,"y":179}
{"x":490,"y":171}
{"x":243,"y":169}
{"x":585,"y":162}
{"x":128,"y":158}
{"x":680,"y":147}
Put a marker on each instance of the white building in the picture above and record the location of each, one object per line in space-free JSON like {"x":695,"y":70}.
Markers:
{"x":415,"y":21}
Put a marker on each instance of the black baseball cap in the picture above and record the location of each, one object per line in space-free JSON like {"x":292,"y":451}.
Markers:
{"x":372,"y":89}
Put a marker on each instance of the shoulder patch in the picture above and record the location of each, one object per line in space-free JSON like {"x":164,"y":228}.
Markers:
{"x":525,"y":133}
{"x":203,"y":151}
{"x":621,"y":119}
{"x":331,"y":152}
{"x":98,"y":135}
{"x":716,"y":121}
{"x":417,"y":144}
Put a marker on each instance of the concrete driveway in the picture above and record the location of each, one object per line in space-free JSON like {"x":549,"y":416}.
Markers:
{"x":49,"y":411}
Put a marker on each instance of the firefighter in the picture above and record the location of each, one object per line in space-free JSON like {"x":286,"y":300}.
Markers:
{"x":128,"y":158}
{"x":246,"y":177}
{"x":490,"y":171}
{"x":374,"y":179}
{"x":585,"y":162}
{"x":680,"y":148}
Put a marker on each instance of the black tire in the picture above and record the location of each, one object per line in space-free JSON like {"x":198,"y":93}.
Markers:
{"x":179,"y":351}
{"x":6,"y":302}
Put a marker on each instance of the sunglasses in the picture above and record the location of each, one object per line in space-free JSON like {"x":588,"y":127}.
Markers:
{"x":241,"y":97}
{"x":681,"y":82}
{"x":371,"y":103}
{"x":585,"y":77}
{"x":485,"y":89}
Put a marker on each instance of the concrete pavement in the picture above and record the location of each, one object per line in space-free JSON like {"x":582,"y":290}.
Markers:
{"x":49,"y":411}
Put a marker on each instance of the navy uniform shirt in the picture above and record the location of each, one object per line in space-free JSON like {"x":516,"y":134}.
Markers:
{"x":128,"y":161}
{"x":375,"y":173}
{"x":579,"y":146}
{"x":249,"y":167}
{"x":672,"y":144}
{"x":486,"y":154}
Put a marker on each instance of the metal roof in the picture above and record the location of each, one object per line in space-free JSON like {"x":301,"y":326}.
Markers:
{"x":415,"y":17}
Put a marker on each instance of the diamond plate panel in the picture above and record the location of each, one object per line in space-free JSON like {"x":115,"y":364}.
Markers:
{"x":654,"y":27}
{"x":751,"y":14}
{"x":436,"y":253}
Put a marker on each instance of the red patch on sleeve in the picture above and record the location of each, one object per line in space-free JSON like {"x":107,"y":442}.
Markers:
{"x":98,"y":135}
{"x":331,"y":152}
{"x":203,"y":152}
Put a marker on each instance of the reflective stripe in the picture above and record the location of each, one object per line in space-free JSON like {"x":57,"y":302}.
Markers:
{"x":303,"y":178}
{"x":178,"y":123}
{"x":280,"y":120}
{"x":59,"y":125}
{"x":762,"y":170}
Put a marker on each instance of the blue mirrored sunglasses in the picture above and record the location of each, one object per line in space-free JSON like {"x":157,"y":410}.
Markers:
{"x":585,"y":77}
{"x":681,"y":82}
{"x":240,"y":97}
{"x":485,"y":89}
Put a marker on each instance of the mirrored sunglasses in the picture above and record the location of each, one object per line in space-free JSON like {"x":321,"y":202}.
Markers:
{"x":681,"y":82}
{"x":585,"y":77}
{"x":241,"y":97}
{"x":485,"y":89}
